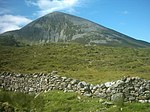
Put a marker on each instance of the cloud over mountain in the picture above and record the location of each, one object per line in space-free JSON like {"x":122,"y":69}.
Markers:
{"x":11,"y":22}
{"x":47,"y":6}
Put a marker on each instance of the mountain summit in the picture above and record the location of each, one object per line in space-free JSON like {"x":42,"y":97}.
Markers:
{"x":62,"y":27}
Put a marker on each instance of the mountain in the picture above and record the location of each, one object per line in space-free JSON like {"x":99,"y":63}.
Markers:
{"x":62,"y":27}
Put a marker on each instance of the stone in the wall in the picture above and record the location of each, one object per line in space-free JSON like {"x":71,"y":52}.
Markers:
{"x":118,"y":98}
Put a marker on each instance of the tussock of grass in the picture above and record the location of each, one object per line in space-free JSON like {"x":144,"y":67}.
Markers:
{"x":20,"y":101}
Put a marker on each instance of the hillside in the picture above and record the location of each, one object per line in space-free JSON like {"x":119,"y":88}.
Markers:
{"x":62,"y":27}
{"x":94,"y":64}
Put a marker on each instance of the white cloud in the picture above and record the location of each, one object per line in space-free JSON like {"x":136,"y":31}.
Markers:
{"x":11,"y":22}
{"x":47,"y":6}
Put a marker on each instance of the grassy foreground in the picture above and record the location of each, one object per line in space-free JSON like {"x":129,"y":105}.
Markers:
{"x":58,"y":101}
{"x":94,"y":64}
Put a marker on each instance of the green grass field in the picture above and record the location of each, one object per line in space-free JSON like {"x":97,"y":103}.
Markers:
{"x":93,"y":64}
{"x":58,"y":101}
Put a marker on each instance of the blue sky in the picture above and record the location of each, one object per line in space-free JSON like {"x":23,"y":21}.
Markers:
{"x":131,"y":17}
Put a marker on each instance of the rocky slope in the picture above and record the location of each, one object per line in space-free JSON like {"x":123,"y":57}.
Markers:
{"x":61,"y":27}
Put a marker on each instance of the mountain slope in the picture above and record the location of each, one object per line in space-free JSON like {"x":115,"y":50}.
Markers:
{"x":61,"y":27}
{"x":93,"y":64}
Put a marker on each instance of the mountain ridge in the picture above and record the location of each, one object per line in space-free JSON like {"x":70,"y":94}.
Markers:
{"x":62,"y":27}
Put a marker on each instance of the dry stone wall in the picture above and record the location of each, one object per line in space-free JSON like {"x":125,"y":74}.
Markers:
{"x":130,"y":88}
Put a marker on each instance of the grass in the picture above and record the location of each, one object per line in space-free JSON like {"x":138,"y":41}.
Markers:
{"x":20,"y":101}
{"x":94,"y":64}
{"x":58,"y":101}
{"x":131,"y":107}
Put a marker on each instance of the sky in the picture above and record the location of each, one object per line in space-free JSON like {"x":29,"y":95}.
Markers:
{"x":130,"y":17}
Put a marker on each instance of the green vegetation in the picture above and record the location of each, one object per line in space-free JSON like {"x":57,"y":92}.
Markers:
{"x":94,"y":64}
{"x":21,"y":102}
{"x":58,"y":101}
{"x":9,"y":41}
